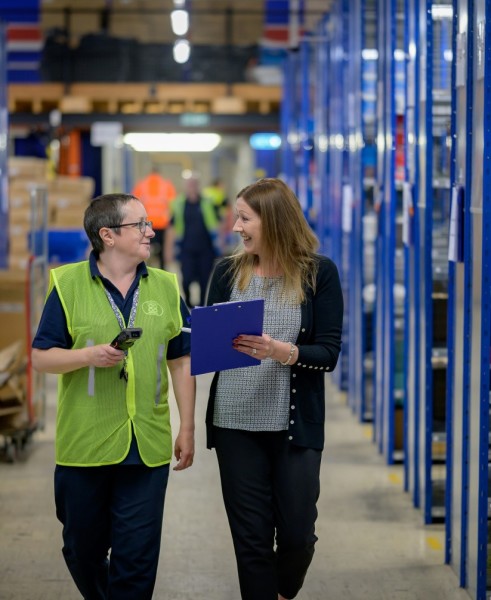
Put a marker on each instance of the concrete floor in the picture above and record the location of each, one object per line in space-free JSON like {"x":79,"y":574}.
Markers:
{"x":372,"y":543}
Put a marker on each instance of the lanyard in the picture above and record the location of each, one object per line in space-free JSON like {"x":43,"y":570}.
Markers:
{"x":117,"y":313}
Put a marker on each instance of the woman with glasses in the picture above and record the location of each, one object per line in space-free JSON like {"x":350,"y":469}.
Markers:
{"x":113,"y":434}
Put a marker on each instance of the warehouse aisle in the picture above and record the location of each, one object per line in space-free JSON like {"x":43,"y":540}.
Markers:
{"x":372,"y":544}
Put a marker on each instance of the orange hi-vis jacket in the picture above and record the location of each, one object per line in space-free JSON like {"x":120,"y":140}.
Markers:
{"x":156,"y":194}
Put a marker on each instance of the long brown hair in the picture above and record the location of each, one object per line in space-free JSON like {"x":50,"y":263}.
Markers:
{"x":286,"y":237}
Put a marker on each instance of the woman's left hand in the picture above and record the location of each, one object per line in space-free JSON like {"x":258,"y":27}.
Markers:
{"x":259,"y":346}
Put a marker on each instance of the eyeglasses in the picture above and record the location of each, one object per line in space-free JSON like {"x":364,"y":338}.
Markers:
{"x":142,"y":225}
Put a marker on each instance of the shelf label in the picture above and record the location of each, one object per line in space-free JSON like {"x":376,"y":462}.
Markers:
{"x":460,"y":65}
{"x":407,"y":212}
{"x":480,"y":48}
{"x":105,"y":133}
{"x":347,"y":214}
{"x":456,"y":231}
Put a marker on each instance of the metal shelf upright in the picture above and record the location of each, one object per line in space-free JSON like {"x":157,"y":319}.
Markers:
{"x":353,"y":211}
{"x":411,"y":252}
{"x":389,"y":312}
{"x":321,"y":100}
{"x":460,"y":300}
{"x":338,"y":162}
{"x":364,"y":218}
{"x":290,"y":109}
{"x":469,"y":530}
{"x":427,"y":195}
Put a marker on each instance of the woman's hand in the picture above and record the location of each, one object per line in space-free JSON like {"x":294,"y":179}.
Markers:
{"x":259,"y":346}
{"x":64,"y":360}
{"x":264,"y":346}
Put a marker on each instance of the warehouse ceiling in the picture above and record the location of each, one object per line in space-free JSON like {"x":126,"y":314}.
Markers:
{"x":211,"y":21}
{"x":93,"y":48}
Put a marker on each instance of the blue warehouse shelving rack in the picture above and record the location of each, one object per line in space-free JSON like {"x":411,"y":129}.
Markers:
{"x":353,"y":212}
{"x":459,"y":296}
{"x":411,"y":251}
{"x":321,"y":99}
{"x":426,"y":217}
{"x":314,"y":133}
{"x":389,"y":263}
{"x":469,"y":318}
{"x":364,"y":229}
{"x":297,"y":124}
{"x":358,"y":218}
{"x":338,"y":116}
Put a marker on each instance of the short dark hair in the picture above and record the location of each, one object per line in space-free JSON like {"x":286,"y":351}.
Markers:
{"x":104,"y":210}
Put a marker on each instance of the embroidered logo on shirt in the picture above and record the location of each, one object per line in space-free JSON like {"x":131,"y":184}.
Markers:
{"x":152,"y":308}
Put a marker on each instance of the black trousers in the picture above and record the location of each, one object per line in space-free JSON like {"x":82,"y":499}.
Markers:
{"x":196,"y":267}
{"x":158,"y":246}
{"x":118,"y":509}
{"x":270,"y":489}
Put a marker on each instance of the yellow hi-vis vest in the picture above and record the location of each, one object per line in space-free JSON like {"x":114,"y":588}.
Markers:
{"x":97,"y":409}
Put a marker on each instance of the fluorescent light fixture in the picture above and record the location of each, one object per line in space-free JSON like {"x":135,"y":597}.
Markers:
{"x":369,"y":54}
{"x":265,"y":141}
{"x":181,"y":51}
{"x":179,"y":20}
{"x":399,"y":55}
{"x":441,"y":11}
{"x":172,"y":142}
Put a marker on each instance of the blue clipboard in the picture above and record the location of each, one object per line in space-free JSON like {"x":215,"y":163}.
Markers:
{"x":213,"y":328}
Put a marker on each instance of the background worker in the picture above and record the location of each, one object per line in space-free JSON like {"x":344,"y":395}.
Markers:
{"x":194,"y":235}
{"x":216,"y":192}
{"x":156,"y":194}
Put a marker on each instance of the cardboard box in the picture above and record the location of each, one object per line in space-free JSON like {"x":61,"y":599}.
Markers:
{"x":228,"y":105}
{"x":13,"y":368}
{"x":13,"y":317}
{"x":18,"y":262}
{"x":71,"y":217}
{"x":82,"y":186}
{"x":19,"y":244}
{"x":27,"y":167}
{"x":19,"y":218}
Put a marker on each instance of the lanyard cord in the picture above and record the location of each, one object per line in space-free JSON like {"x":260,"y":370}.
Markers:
{"x":124,"y":371}
{"x":117,"y":312}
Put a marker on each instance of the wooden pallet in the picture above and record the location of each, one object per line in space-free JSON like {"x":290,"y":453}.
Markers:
{"x":143,"y":98}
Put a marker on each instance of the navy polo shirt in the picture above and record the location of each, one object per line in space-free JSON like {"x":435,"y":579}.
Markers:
{"x":53,"y":331}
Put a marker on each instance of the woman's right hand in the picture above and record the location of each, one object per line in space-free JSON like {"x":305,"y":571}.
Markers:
{"x":104,"y":356}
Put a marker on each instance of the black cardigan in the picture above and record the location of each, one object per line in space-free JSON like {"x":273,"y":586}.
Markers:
{"x":319,"y":344}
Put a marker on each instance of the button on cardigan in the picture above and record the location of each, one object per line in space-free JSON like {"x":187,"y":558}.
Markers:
{"x":319,"y":345}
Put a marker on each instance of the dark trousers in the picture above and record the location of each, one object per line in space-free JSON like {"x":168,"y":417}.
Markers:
{"x":158,"y":246}
{"x":196,"y":266}
{"x":270,"y":489}
{"x":117,"y":508}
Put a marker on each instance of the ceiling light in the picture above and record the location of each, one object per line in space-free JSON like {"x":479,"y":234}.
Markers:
{"x":181,"y":51}
{"x":179,"y":22}
{"x":172,"y":142}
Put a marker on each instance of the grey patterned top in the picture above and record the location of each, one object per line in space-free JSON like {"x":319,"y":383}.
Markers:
{"x":257,"y":398}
